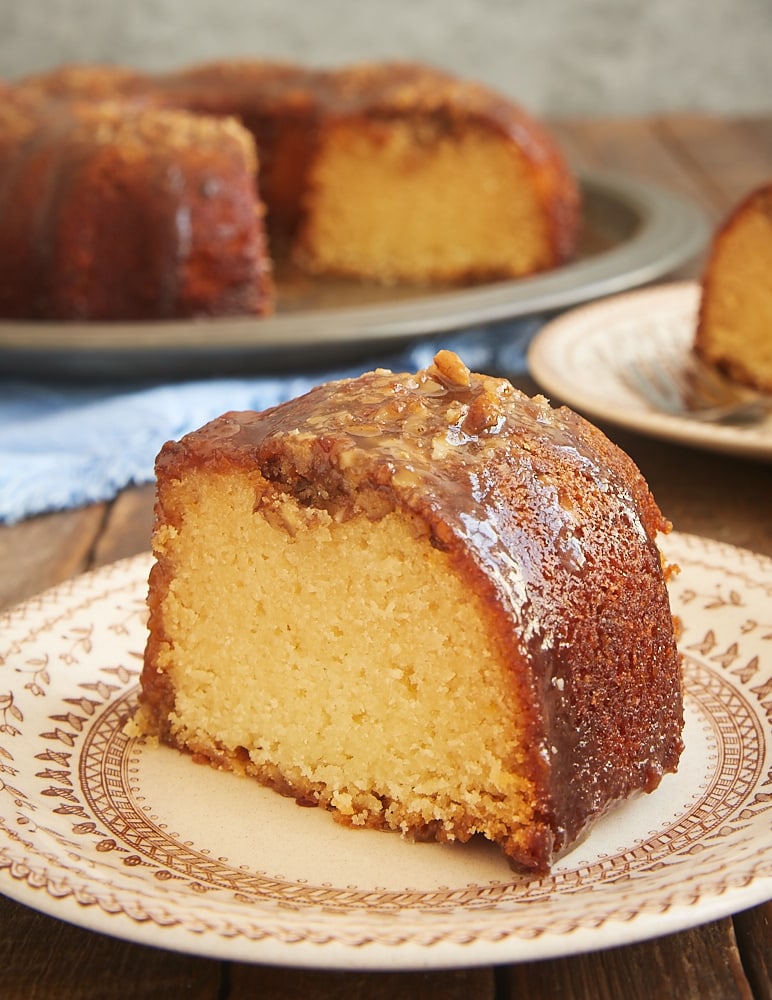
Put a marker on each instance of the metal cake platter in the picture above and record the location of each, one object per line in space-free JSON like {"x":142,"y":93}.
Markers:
{"x":633,"y":234}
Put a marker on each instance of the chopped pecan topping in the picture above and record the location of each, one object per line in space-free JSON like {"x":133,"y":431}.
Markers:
{"x":485,"y":412}
{"x":450,"y":370}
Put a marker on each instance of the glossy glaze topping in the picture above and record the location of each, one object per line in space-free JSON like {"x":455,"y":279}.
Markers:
{"x":442,"y":424}
{"x":504,"y":476}
{"x":443,"y":415}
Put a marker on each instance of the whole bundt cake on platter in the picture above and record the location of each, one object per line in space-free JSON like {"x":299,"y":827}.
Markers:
{"x":385,"y":173}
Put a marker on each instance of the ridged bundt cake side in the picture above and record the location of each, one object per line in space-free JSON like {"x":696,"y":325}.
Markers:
{"x":113,"y":210}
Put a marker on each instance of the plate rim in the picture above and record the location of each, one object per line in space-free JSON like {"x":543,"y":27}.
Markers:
{"x":544,"y":365}
{"x":377,"y":955}
{"x":674,"y":230}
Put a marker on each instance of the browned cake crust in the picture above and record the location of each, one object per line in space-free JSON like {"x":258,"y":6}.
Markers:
{"x":734,"y":328}
{"x":120,"y":211}
{"x":552,"y":530}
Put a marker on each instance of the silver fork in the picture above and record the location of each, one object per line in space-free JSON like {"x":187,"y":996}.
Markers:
{"x":681,"y":385}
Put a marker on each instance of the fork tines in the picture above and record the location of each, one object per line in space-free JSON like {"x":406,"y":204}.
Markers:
{"x":682,"y":385}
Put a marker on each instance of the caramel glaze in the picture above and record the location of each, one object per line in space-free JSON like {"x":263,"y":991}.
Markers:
{"x":285,"y":107}
{"x":88,"y":191}
{"x":553,"y":526}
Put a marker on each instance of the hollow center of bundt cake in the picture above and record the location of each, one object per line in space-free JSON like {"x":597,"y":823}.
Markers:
{"x":345,"y":657}
{"x":390,"y":204}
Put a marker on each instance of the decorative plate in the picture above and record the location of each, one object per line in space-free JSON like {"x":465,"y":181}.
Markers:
{"x":634,"y":233}
{"x":581,"y":358}
{"x":142,"y":843}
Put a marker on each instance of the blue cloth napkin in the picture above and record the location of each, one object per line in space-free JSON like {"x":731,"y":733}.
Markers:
{"x":65,"y":444}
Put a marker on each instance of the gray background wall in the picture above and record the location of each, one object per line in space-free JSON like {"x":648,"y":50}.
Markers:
{"x":558,"y":57}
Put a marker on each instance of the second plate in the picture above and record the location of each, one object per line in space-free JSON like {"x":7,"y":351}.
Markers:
{"x":580,"y":359}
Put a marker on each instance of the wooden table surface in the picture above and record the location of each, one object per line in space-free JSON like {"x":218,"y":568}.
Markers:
{"x":712,"y":161}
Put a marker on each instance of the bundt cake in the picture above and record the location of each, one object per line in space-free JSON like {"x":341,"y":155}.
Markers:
{"x":424,"y":601}
{"x":118,"y":211}
{"x":389,"y":173}
{"x":396,"y":172}
{"x":734,"y":328}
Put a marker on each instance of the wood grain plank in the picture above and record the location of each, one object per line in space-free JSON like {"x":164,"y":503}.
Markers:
{"x":759,"y":130}
{"x":728,"y":159}
{"x":247,"y":982}
{"x":753,"y":929}
{"x":43,"y":551}
{"x":701,"y":964}
{"x":50,"y":960}
{"x":638,"y":149}
{"x":127,"y":527}
{"x":635,"y":148}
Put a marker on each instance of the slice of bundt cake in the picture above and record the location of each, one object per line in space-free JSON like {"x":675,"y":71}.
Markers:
{"x":734,"y":329}
{"x":424,"y":601}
